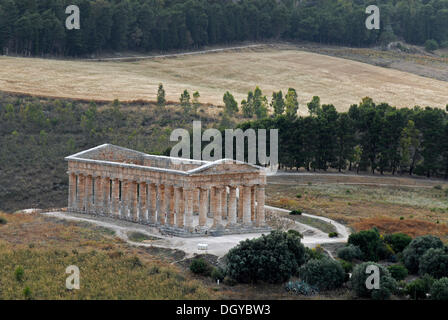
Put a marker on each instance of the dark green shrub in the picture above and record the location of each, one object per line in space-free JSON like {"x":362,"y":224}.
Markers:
{"x":388,"y":285}
{"x":296,"y":212}
{"x":325,"y":274}
{"x":27,"y":293}
{"x":217,"y":274}
{"x":416,"y":249}
{"x":3,"y":221}
{"x":200,"y":266}
{"x":431,"y":45}
{"x":229,"y":281}
{"x":369,"y":241}
{"x":398,"y":272}
{"x":349,"y":253}
{"x":314,"y":253}
{"x":301,"y":287}
{"x":19,"y":273}
{"x":418,"y":288}
{"x":333,"y":234}
{"x":298,"y":196}
{"x":398,"y":241}
{"x":295,"y":233}
{"x":271,"y":258}
{"x":135,"y":262}
{"x":348,"y":266}
{"x":435,"y":263}
{"x":439,"y":289}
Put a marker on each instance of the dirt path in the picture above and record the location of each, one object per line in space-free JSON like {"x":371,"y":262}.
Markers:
{"x":282,"y":177}
{"x":174,"y":55}
{"x":218,"y":246}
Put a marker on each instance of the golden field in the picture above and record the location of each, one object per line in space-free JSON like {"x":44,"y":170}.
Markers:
{"x":339,"y":81}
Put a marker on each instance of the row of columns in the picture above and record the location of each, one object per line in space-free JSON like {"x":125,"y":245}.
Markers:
{"x":166,"y":204}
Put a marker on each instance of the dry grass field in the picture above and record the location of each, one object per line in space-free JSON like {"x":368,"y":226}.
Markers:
{"x":413,"y":206}
{"x":109,"y":268}
{"x":339,"y":81}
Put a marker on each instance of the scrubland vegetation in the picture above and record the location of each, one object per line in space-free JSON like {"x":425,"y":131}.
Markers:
{"x":408,"y":268}
{"x":36,"y":134}
{"x":35,"y":252}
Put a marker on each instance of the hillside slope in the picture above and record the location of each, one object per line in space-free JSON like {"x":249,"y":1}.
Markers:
{"x":338,"y":81}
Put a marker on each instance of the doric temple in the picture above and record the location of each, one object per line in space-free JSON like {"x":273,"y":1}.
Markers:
{"x":180,"y":196}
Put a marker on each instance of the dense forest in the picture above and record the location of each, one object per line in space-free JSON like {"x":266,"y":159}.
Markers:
{"x":375,"y":137}
{"x":37,"y":27}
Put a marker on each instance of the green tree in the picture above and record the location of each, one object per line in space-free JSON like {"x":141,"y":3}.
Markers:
{"x":314,"y":106}
{"x":291,"y":103}
{"x":231,"y":106}
{"x":185,"y":99}
{"x":278,"y":103}
{"x":161,"y":96}
{"x":272,"y":258}
{"x":409,"y":146}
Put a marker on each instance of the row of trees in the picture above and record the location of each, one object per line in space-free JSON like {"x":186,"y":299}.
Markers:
{"x":371,"y":136}
{"x":36,"y":27}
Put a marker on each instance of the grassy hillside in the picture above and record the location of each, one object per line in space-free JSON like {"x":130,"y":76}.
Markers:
{"x":392,"y":204}
{"x":335,"y":80}
{"x":36,"y":135}
{"x":109,"y":269}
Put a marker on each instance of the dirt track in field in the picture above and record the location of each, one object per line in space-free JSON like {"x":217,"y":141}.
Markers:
{"x":339,"y":81}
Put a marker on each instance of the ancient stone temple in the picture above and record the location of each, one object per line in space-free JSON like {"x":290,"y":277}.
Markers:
{"x":180,"y":196}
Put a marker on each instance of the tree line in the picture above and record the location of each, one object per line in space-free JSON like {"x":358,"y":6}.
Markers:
{"x":370,"y":136}
{"x":37,"y":27}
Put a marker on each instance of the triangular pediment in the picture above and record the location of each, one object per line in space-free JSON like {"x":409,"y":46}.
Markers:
{"x":226,"y":166}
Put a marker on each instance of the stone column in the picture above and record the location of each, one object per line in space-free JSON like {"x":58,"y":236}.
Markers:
{"x":153,"y":202}
{"x":203,"y":198}
{"x":98,"y":195}
{"x":162,"y":206}
{"x":88,"y":194}
{"x":196,"y":205}
{"x":124,"y":199}
{"x":81,"y":193}
{"x":188,"y":209}
{"x":212,"y":202}
{"x":106,"y":198}
{"x":252,"y":203}
{"x":134,"y":201}
{"x":180,"y":212}
{"x":142,"y":208}
{"x":71,"y":192}
{"x":171,"y":217}
{"x":217,"y":216}
{"x":224,"y":202}
{"x":240,"y":203}
{"x":115,"y":198}
{"x":246,"y":205}
{"x":232,"y":206}
{"x":261,"y":221}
